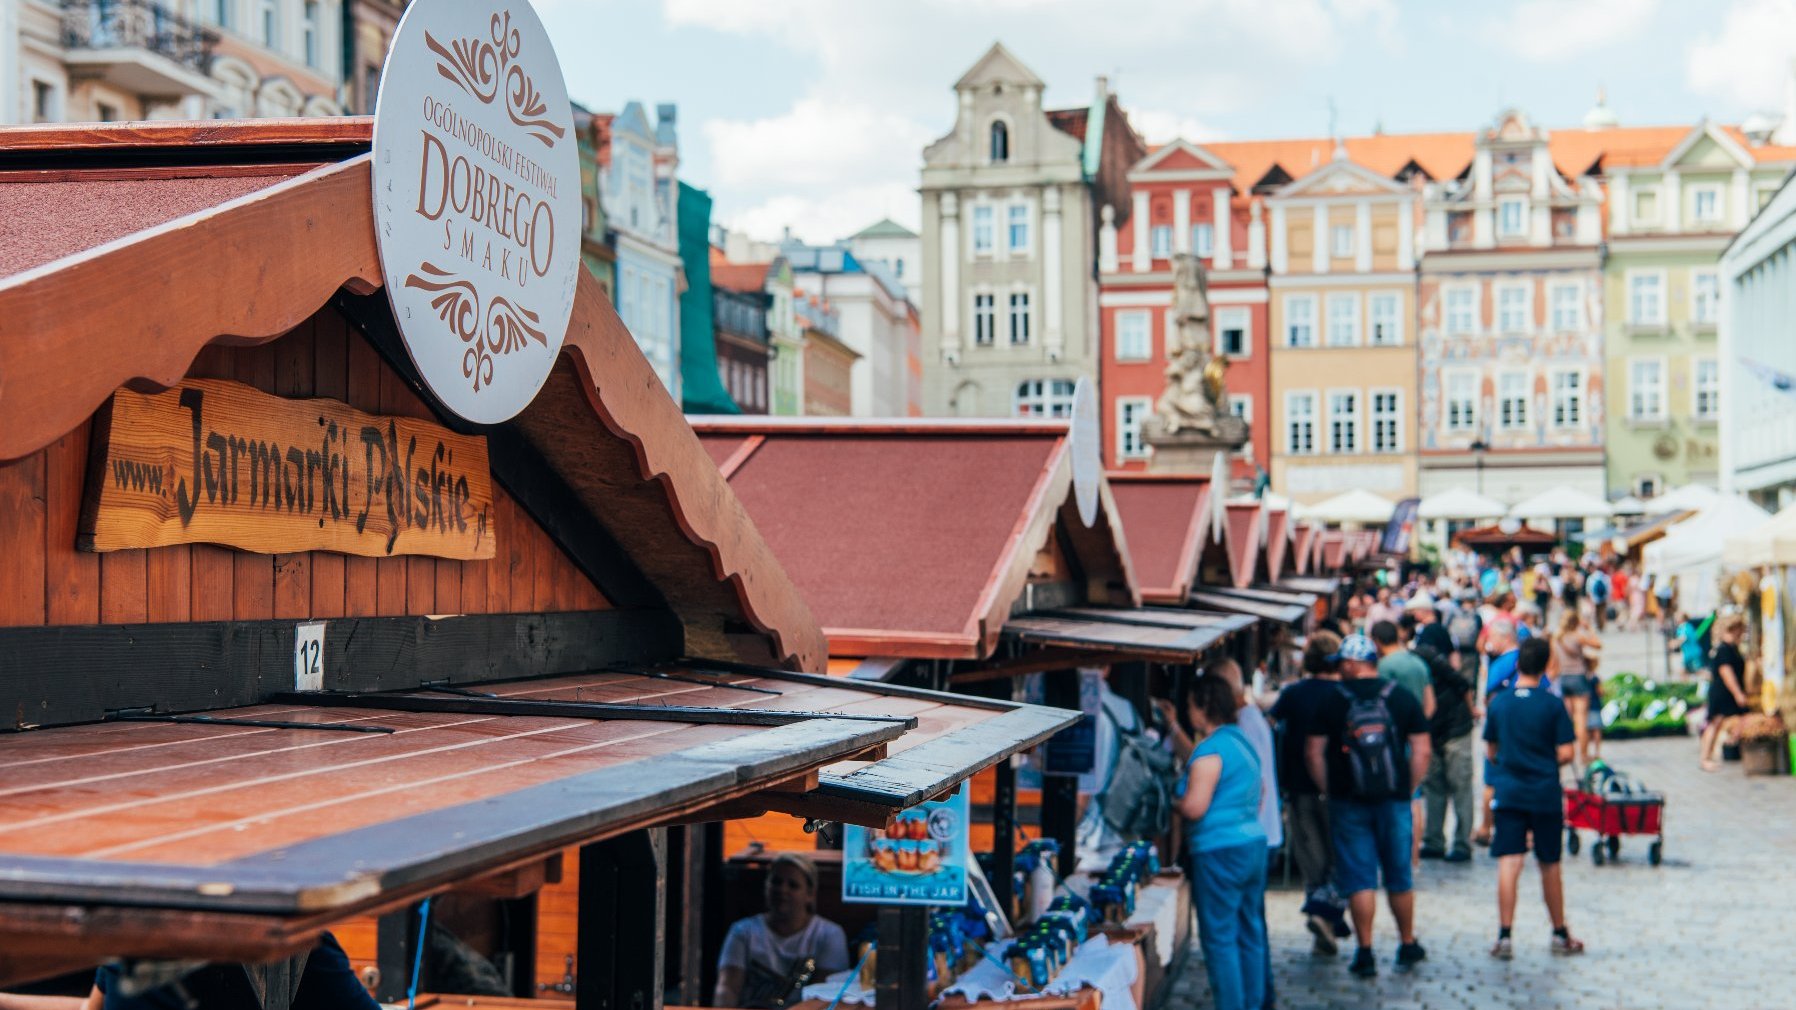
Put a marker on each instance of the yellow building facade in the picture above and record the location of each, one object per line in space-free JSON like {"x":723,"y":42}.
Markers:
{"x":1341,"y":243}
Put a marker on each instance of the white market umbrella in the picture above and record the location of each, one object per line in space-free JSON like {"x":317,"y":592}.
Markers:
{"x":1355,"y":506}
{"x":1689,"y":498}
{"x":1460,"y":503}
{"x":1769,"y":543}
{"x":1692,"y":550}
{"x":1628,"y":505}
{"x":1561,"y":503}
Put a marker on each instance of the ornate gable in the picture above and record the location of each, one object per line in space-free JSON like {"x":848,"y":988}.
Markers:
{"x":1182,"y":156}
{"x":997,"y":66}
{"x":1707,"y":147}
{"x":1341,"y":177}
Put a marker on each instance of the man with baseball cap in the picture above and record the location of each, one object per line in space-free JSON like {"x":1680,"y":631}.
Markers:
{"x":1370,"y":744}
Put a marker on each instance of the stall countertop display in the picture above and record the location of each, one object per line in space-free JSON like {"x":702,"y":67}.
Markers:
{"x":1109,"y":968}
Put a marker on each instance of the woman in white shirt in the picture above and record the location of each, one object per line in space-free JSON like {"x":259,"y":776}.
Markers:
{"x":767,"y":958}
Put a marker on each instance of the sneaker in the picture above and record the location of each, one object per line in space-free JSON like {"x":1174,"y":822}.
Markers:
{"x":1428,"y":853}
{"x":1342,"y":930}
{"x":1504,"y":949}
{"x":1364,"y":964}
{"x":1459,"y":856}
{"x":1409,"y":955}
{"x":1567,"y":946}
{"x":1325,"y":936}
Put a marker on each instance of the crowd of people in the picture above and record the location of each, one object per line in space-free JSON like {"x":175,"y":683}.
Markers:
{"x":1420,"y":676}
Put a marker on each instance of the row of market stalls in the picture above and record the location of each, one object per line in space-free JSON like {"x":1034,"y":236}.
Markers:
{"x":288,"y":645}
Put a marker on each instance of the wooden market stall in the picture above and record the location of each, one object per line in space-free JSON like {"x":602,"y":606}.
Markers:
{"x":287,"y":645}
{"x":956,"y":553}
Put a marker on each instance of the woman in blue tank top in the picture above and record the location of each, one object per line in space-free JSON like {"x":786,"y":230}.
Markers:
{"x":1220,"y":798}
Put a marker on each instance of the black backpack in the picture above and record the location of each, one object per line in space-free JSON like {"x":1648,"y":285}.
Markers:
{"x":1137,"y":801}
{"x":1373,"y":746}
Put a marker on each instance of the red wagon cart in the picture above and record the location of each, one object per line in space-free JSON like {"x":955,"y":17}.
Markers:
{"x":1612,"y":814}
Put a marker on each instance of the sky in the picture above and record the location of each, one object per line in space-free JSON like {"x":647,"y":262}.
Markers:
{"x":812,"y":114}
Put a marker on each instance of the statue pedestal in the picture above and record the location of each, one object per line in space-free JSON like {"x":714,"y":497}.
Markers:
{"x":1192,"y":452}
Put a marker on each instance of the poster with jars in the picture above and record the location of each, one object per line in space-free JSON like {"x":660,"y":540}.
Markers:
{"x":920,"y":860}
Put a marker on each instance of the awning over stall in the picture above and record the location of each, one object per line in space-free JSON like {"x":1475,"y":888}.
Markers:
{"x":1160,"y":634}
{"x":1282,"y":608}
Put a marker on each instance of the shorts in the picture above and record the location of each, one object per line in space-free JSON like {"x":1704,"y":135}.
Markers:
{"x":1514,"y":826}
{"x":1370,"y":839}
{"x":1574,"y":685}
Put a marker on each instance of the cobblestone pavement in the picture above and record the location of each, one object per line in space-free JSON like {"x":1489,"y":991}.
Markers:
{"x":1706,"y":929}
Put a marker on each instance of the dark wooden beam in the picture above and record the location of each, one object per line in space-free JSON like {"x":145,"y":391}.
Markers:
{"x":59,"y":675}
{"x":900,"y":983}
{"x":1038,"y":661}
{"x":623,"y":894}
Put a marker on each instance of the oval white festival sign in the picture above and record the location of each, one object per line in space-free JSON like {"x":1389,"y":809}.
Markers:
{"x":477,"y":201}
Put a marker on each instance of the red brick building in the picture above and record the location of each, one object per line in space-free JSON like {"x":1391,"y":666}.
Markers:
{"x":1184,"y":201}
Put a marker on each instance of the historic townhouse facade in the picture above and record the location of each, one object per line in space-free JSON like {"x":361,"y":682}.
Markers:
{"x":114,"y":60}
{"x":1511,"y":323}
{"x":1184,"y":201}
{"x":639,"y":187}
{"x":1009,"y":299}
{"x":1342,"y":253}
{"x":1676,"y":199}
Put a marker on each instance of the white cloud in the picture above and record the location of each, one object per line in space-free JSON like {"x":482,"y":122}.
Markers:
{"x":816,"y":142}
{"x":1548,"y":31}
{"x":1747,"y":62}
{"x":1159,"y":126}
{"x":821,"y":216}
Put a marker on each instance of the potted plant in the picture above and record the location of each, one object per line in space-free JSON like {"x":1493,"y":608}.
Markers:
{"x":1764,"y":745}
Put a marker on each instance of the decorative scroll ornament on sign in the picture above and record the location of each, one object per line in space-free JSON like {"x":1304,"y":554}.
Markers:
{"x":477,"y":201}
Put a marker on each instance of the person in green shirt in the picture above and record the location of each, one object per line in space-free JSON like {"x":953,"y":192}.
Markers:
{"x":1410,"y":672}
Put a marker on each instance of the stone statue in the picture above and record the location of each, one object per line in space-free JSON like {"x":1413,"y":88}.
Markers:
{"x":1192,"y":400}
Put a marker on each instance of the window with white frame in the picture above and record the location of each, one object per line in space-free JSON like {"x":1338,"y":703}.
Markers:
{"x":1000,"y":142}
{"x":1343,"y":319}
{"x":1568,"y":308}
{"x":985,"y":318}
{"x":1241,"y":405}
{"x":1647,"y":486}
{"x":1512,"y":400}
{"x":1019,"y":227}
{"x":1646,"y":206}
{"x":312,"y":28}
{"x":1386,"y":310}
{"x":1300,"y":423}
{"x":271,"y":24}
{"x":1646,"y":298}
{"x":1387,"y":420}
{"x":1300,"y":320}
{"x":1705,"y":390}
{"x":1159,"y":240}
{"x":1512,"y":216}
{"x":1043,"y":398}
{"x":1705,"y":204}
{"x":983,"y":236}
{"x":221,"y":11}
{"x":1340,"y":241}
{"x":1130,"y":412}
{"x":1568,"y":398}
{"x":1134,"y":341}
{"x":1231,"y":332}
{"x":1343,"y":421}
{"x":1762,"y":194}
{"x":1462,"y":401}
{"x":1705,"y":297}
{"x":1514,"y":307}
{"x":1019,"y":317}
{"x":1462,"y":310}
{"x":1203,"y":239}
{"x":1646,"y":389}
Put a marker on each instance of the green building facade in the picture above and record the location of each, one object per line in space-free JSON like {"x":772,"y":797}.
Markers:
{"x":1670,"y":218}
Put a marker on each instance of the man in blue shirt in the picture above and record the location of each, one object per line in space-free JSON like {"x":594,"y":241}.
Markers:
{"x":1528,"y":737}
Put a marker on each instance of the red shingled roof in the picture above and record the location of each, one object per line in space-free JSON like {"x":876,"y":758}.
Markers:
{"x":1167,"y":523}
{"x":912,"y":537}
{"x":1244,"y":541}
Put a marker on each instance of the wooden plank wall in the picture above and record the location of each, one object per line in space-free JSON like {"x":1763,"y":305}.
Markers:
{"x":46,"y":581}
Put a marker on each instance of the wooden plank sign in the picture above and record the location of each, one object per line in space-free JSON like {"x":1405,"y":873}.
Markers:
{"x":210,"y":461}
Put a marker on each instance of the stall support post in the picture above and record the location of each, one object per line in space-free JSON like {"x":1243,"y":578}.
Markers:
{"x":900,"y":982}
{"x":686,"y":855}
{"x":1060,"y":793}
{"x":1003,"y":877}
{"x":395,"y":949}
{"x":623,"y":926}
{"x":277,"y":980}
